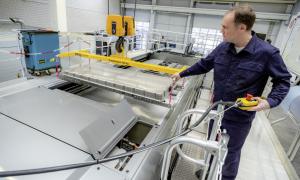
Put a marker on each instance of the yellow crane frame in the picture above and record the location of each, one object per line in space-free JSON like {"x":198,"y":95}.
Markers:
{"x":122,"y":60}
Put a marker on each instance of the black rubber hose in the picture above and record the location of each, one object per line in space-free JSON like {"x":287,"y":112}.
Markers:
{"x":90,"y":163}
{"x":228,"y":103}
{"x":107,"y":7}
{"x":94,"y":162}
{"x":120,"y":44}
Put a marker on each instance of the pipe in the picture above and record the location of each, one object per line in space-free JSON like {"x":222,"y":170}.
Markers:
{"x":111,"y":158}
{"x":17,"y":21}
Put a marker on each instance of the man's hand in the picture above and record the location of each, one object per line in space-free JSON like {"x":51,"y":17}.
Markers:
{"x":175,"y":77}
{"x":262,"y":104}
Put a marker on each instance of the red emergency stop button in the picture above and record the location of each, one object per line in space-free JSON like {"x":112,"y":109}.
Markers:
{"x":249,"y":97}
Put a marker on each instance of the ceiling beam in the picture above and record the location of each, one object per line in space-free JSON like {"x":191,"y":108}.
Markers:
{"x":251,"y":1}
{"x":204,"y":11}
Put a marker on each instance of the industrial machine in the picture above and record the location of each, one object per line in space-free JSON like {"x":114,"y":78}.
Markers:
{"x":104,"y":45}
{"x":98,"y":110}
{"x":111,"y":105}
{"x":40,"y":48}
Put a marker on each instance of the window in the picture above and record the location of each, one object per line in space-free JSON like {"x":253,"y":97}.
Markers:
{"x":205,"y":40}
{"x":141,"y":34}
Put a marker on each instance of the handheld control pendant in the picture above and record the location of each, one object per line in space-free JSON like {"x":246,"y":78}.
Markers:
{"x":247,"y":103}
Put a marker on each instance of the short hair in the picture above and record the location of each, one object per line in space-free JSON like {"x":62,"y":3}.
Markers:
{"x":243,"y":14}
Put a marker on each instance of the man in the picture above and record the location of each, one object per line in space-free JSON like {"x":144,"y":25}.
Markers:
{"x":242,"y":65}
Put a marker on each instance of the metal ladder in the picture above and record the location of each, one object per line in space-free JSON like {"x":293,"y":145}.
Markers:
{"x":211,"y":147}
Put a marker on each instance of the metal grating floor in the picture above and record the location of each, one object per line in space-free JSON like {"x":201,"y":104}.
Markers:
{"x":185,"y":170}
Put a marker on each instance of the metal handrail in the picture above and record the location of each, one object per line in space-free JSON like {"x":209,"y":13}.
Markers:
{"x":179,"y":129}
{"x":182,"y":117}
{"x":206,"y":144}
{"x":218,"y":149}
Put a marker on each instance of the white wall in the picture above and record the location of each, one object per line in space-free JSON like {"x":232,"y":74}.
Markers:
{"x":214,"y":5}
{"x":261,"y":26}
{"x":33,"y":12}
{"x":89,"y":15}
{"x":206,"y":21}
{"x":140,"y":15}
{"x":296,"y":8}
{"x":81,"y":15}
{"x":10,"y":66}
{"x":179,"y":3}
{"x":139,"y":1}
{"x":282,"y":33}
{"x":170,"y":22}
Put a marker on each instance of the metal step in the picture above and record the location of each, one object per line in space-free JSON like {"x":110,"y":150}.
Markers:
{"x":185,"y":169}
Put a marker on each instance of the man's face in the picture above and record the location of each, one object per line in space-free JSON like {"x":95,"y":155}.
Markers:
{"x":231,"y":32}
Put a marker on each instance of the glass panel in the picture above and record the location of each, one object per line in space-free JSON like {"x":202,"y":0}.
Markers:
{"x":206,"y":39}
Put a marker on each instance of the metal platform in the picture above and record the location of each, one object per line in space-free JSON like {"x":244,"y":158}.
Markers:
{"x":43,"y":126}
{"x":185,"y":170}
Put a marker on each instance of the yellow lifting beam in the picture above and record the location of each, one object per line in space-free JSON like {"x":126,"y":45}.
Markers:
{"x":121,"y":60}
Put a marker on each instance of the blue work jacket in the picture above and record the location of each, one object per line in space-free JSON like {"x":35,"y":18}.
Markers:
{"x":246,"y":72}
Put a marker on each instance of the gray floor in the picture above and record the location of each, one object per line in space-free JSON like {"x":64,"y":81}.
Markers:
{"x":285,"y":131}
{"x":259,"y":159}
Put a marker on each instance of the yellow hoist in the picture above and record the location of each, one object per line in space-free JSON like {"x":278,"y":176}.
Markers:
{"x":121,"y":26}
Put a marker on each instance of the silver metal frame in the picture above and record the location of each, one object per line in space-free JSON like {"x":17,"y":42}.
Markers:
{"x":211,"y":146}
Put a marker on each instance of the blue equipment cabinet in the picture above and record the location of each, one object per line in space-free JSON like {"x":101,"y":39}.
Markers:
{"x":44,"y":42}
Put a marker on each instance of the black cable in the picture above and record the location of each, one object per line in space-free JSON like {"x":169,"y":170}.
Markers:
{"x":47,"y":169}
{"x":119,"y":44}
{"x":209,"y":109}
{"x":107,"y":7}
{"x":90,"y":163}
{"x":134,"y":9}
{"x":123,"y":12}
{"x":94,"y":162}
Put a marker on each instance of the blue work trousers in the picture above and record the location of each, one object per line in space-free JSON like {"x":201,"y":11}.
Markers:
{"x":238,"y":133}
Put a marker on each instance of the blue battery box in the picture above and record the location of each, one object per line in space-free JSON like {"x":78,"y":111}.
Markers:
{"x":44,"y":43}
